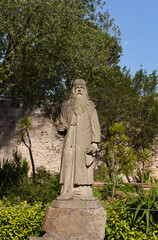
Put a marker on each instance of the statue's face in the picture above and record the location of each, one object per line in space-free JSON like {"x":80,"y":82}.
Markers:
{"x":79,"y":90}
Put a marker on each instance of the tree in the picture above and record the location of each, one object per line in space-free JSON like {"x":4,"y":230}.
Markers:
{"x":143,"y":113}
{"x":24,"y":127}
{"x":119,"y":157}
{"x":111,"y":93}
{"x":132,"y":101}
{"x":45,"y":44}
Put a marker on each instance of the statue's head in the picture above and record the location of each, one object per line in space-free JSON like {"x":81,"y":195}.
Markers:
{"x":79,"y":88}
{"x":79,"y":82}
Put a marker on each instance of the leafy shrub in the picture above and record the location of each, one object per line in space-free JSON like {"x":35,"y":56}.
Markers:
{"x":145,"y":200}
{"x":120,"y":224}
{"x":16,"y":186}
{"x":147,"y":176}
{"x":44,"y":188}
{"x":97,"y":194}
{"x":101,"y":174}
{"x":20,"y":222}
{"x":12,"y":172}
{"x":126,"y":188}
{"x":103,"y":193}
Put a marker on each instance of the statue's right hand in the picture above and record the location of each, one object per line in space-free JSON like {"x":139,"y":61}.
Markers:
{"x":93,"y":148}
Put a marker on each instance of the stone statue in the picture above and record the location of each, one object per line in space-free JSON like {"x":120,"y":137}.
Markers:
{"x":80,"y":126}
{"x":76,"y":214}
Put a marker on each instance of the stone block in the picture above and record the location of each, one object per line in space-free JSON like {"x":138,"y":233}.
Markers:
{"x":74,"y":224}
{"x":76,"y":203}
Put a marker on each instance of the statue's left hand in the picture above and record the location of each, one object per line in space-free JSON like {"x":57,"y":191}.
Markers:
{"x":92,"y":148}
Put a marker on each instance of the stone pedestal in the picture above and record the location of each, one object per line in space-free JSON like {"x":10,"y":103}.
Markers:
{"x":77,"y":221}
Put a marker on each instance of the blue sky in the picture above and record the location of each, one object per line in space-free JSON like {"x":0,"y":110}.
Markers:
{"x":138,"y":22}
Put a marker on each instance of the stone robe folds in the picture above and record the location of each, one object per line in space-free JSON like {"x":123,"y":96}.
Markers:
{"x":82,"y":130}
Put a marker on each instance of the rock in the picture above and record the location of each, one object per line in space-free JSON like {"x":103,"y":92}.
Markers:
{"x":46,"y":143}
{"x":74,"y":224}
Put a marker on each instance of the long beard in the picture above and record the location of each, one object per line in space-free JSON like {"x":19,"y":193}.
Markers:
{"x":80,"y":104}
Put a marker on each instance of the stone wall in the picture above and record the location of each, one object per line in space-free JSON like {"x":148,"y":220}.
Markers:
{"x":46,"y":142}
{"x":154,"y":167}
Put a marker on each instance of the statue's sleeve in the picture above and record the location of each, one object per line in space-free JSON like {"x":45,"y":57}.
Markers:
{"x":63,"y":115}
{"x":96,"y":134}
{"x":62,"y":124}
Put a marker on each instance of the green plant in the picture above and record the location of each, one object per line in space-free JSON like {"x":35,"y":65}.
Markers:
{"x":24,"y":127}
{"x":96,"y":193}
{"x":119,"y":157}
{"x":20,"y":221}
{"x":44,"y":188}
{"x":145,"y":204}
{"x":147,"y":176}
{"x":120,"y":223}
{"x":155,"y":237}
{"x":57,"y":41}
{"x":12,"y":172}
{"x":126,"y":188}
{"x":101,"y":174}
{"x":144,"y":158}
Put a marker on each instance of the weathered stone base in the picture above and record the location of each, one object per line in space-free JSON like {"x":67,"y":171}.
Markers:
{"x":73,"y":224}
{"x":76,"y":203}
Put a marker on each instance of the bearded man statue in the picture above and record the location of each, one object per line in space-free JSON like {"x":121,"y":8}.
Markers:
{"x":80,"y":125}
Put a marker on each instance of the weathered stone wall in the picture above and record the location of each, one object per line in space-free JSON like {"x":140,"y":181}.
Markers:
{"x":154,"y":167}
{"x":46,"y":142}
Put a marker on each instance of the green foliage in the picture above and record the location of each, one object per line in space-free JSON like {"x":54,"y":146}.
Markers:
{"x":44,"y":188}
{"x":46,"y":44}
{"x":146,"y":201}
{"x":120,"y":224}
{"x":145,"y":85}
{"x":24,"y":127}
{"x":25,"y":123}
{"x":20,"y":222}
{"x":120,"y":99}
{"x":103,"y":193}
{"x":111,"y":91}
{"x":143,"y":113}
{"x":101,"y":174}
{"x":126,"y":188}
{"x":147,"y":176}
{"x":97,"y":194}
{"x":12,"y":172}
{"x":119,"y":156}
{"x":144,"y":157}
{"x":16,"y":186}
